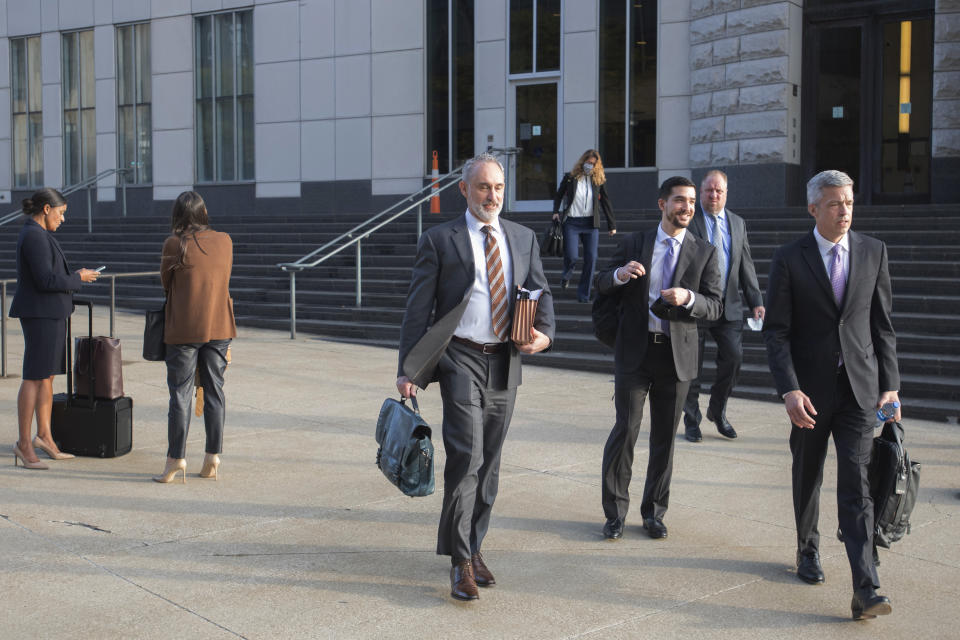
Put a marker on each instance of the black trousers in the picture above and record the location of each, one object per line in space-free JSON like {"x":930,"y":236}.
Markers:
{"x":183,"y":363}
{"x":851,"y":427}
{"x":729,"y":338}
{"x":656,"y":378}
{"x":477,"y":407}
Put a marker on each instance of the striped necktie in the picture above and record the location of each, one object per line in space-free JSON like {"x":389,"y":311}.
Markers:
{"x":498,"y":288}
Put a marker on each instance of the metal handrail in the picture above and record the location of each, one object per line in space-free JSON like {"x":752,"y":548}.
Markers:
{"x":88,"y":185}
{"x":358,"y":233}
{"x":113,"y":308}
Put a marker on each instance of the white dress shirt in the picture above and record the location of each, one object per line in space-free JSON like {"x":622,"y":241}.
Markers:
{"x":826,"y":247}
{"x":477,"y":322}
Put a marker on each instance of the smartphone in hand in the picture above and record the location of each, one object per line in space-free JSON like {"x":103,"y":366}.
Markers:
{"x":100,"y":268}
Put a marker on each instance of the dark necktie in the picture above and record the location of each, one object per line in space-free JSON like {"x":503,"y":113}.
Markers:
{"x":498,"y":289}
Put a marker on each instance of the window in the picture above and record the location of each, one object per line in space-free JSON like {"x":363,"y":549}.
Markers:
{"x":628,"y":83}
{"x":534,"y":36}
{"x":79,"y":107}
{"x":224,"y":91}
{"x":450,"y":82}
{"x":134,"y":123}
{"x":26,"y":108}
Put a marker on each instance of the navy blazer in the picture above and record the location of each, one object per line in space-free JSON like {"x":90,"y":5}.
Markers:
{"x":45,"y":285}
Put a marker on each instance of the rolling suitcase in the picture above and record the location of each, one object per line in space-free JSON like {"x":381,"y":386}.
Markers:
{"x":89,"y":426}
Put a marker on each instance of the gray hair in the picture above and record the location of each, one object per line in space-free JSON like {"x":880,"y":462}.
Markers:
{"x":470,"y":165}
{"x":829,"y":178}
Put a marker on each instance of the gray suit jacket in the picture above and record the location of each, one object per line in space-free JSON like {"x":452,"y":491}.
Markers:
{"x":806,"y":331}
{"x":742,"y":272}
{"x":696,"y":270}
{"x":442,"y":277}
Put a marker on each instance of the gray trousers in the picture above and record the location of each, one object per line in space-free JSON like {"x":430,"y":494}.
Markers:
{"x":183,"y":362}
{"x":477,"y":408}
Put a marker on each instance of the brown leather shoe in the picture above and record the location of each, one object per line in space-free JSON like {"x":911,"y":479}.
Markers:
{"x":462,"y":584}
{"x":481,"y":574}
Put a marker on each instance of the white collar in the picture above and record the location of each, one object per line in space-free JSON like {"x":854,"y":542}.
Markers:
{"x":473,"y":224}
{"x":826,"y":246}
{"x":662,"y":235}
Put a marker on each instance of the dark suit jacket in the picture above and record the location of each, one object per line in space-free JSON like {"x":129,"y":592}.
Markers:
{"x":742,"y":272}
{"x":696,"y":270}
{"x":44,"y":281}
{"x":442,"y":276}
{"x":601,"y":202}
{"x":806,"y":331}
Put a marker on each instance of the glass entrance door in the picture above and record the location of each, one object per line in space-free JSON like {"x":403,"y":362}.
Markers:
{"x":536,"y":139}
{"x":839,"y":92}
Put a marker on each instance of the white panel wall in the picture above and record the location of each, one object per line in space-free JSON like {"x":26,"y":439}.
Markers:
{"x":398,"y":82}
{"x":49,"y":15}
{"x":6,"y":168}
{"x":317,"y":88}
{"x":278,"y":159}
{"x":352,"y":149}
{"x":104,"y":63}
{"x":673,"y":91}
{"x":580,"y":67}
{"x":490,"y":66}
{"x":352,"y":86}
{"x":75,"y":14}
{"x":52,"y":109}
{"x":352,"y":20}
{"x":167,"y":8}
{"x":171,"y":59}
{"x":490,"y":20}
{"x":22,"y":17}
{"x":4,"y":21}
{"x":397,"y":24}
{"x":579,"y":131}
{"x":276,"y":95}
{"x":318,"y":158}
{"x":317,"y":29}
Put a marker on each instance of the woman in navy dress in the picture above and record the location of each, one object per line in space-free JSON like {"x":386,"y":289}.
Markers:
{"x":43,"y":301}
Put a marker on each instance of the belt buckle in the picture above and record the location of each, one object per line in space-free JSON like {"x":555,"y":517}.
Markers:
{"x":659,"y":338}
{"x":489,"y":348}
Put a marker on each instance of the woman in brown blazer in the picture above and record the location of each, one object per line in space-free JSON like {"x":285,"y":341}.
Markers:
{"x":195,"y":270}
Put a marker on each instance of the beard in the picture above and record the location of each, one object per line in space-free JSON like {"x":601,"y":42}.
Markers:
{"x":484,"y":215}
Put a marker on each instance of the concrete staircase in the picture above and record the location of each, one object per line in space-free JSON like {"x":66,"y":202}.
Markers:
{"x":923,"y":242}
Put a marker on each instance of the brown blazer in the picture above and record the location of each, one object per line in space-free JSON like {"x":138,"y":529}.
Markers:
{"x":199,"y":306}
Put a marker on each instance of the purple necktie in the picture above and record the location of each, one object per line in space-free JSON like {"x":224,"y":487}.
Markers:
{"x":836,"y":274}
{"x":669,"y":265}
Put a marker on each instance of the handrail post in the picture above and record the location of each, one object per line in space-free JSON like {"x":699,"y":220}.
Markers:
{"x":293,"y":304}
{"x":3,"y":329}
{"x":89,"y":210}
{"x":113,"y":302}
{"x":123,"y":192}
{"x":359,"y":275}
{"x":419,"y":220}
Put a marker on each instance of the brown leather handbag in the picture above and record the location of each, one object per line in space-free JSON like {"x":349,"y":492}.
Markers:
{"x":100,"y":356}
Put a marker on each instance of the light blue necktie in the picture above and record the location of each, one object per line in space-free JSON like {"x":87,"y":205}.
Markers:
{"x":721,"y":254}
{"x":669,"y":266}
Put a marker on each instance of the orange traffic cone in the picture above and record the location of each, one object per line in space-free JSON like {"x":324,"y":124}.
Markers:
{"x":435,"y":200}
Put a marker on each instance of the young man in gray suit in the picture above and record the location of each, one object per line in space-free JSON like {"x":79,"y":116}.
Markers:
{"x":667,"y":280}
{"x":727,"y":232}
{"x":456,"y":330}
{"x":833,"y":355}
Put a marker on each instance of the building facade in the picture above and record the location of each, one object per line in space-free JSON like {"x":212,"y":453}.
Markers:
{"x":296,"y":106}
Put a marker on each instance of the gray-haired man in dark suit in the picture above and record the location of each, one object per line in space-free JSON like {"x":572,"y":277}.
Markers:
{"x":465,"y":282}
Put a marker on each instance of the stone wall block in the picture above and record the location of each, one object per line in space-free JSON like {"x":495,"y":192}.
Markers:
{"x":947,"y":5}
{"x":766,"y":97}
{"x":754,"y":72}
{"x":765,"y":45}
{"x":724,"y":153}
{"x":746,"y":4}
{"x":726,"y":50}
{"x":946,"y":84}
{"x":709,"y":79}
{"x":724,"y":102}
{"x":771,"y":17}
{"x":947,"y":27}
{"x":706,"y":130}
{"x":700,"y":105}
{"x":946,"y":114}
{"x":709,"y":28}
{"x":946,"y":143}
{"x":756,"y":125}
{"x":946,"y":56}
{"x":725,"y":5}
{"x":700,"y":154}
{"x":701,"y":8}
{"x":763,"y":150}
{"x":701,"y":55}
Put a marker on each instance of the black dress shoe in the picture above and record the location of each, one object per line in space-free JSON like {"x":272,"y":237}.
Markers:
{"x":691,"y":429}
{"x":808,"y":568}
{"x":725,"y":428}
{"x":867,"y":604}
{"x":613,"y":529}
{"x":481,"y":574}
{"x":564,"y":284}
{"x":655,"y":528}
{"x":462,"y":584}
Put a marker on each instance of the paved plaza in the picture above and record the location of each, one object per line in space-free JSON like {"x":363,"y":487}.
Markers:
{"x":302,"y":537}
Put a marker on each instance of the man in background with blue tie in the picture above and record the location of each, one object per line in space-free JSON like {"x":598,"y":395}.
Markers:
{"x":736,"y":273}
{"x":666,"y":280}
{"x":833,"y":355}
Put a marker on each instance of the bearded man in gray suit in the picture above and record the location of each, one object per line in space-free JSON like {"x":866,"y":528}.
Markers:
{"x":465,"y":281}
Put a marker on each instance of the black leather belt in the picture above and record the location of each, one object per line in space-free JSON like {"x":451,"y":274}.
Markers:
{"x":658,"y":338}
{"x":487,"y":348}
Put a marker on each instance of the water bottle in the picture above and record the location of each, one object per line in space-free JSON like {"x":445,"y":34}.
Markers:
{"x":886,"y":412}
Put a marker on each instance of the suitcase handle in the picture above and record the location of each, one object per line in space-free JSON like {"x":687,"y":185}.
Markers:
{"x":89,"y":305}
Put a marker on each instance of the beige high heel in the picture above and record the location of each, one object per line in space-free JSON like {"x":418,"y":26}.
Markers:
{"x":54,"y":455}
{"x":18,"y":455}
{"x":211,"y":466}
{"x":174,"y":466}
